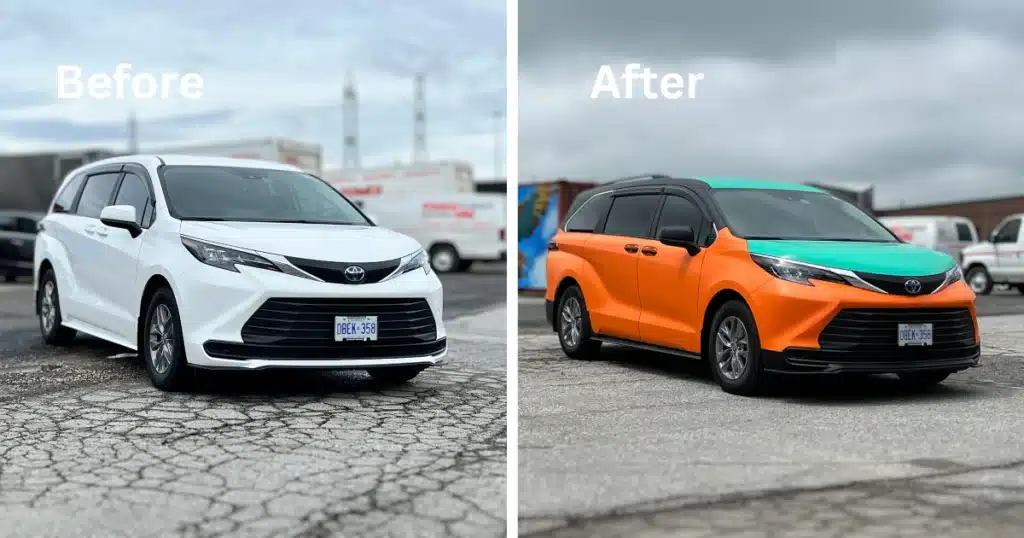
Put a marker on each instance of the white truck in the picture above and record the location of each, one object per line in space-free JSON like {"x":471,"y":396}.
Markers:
{"x":945,"y":234}
{"x":308,"y":157}
{"x":998,"y":260}
{"x":430,"y":177}
{"x":456,"y":229}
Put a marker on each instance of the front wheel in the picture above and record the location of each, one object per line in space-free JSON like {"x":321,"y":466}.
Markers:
{"x":734,"y":350}
{"x":979,"y":280}
{"x":50,"y":316}
{"x":162,"y":344}
{"x":395,"y":375}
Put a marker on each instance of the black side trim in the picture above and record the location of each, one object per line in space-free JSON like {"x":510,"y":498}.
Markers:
{"x":346,"y":350}
{"x":646,"y":347}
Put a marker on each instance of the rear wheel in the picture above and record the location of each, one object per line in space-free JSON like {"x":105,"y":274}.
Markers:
{"x":979,"y":280}
{"x":444,"y":258}
{"x":572,"y":322}
{"x":734,"y":350}
{"x":162,"y":345}
{"x":395,"y":375}
{"x":48,"y":306}
{"x":922,"y":380}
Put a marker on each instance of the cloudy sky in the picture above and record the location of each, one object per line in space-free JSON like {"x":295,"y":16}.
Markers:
{"x":271,"y":68}
{"x":922,"y":98}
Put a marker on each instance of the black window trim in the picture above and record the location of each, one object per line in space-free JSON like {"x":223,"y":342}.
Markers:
{"x":98,"y":171}
{"x":626,"y":193}
{"x":705,"y":237}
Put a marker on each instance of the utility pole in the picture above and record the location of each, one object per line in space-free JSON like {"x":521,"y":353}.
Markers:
{"x":133,"y":134}
{"x":499,"y":145}
{"x":350,"y":122}
{"x":419,"y":118}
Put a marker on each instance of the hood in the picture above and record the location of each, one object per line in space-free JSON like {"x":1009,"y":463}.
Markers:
{"x":895,"y":259}
{"x":979,"y":248}
{"x":325,"y":242}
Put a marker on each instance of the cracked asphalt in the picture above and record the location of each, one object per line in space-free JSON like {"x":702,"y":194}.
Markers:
{"x":88,"y":448}
{"x":642,"y":445}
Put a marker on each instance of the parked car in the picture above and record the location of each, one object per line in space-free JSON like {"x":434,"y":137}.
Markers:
{"x":17,"y":243}
{"x":757,"y":278}
{"x":205,"y":262}
{"x":945,"y":234}
{"x":999,"y":260}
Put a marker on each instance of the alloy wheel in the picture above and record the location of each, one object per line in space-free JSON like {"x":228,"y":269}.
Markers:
{"x":161,"y":339}
{"x":571,"y":324}
{"x":48,"y":306}
{"x":732,"y":348}
{"x":978,"y":281}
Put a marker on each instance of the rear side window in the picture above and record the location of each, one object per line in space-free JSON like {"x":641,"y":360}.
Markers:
{"x":67,"y":195}
{"x":588,"y":215}
{"x":631,"y":216}
{"x":963,"y":232}
{"x":96,"y":195}
{"x":8,"y":224}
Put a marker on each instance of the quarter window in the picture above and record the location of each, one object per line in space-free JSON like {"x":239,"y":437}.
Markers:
{"x":67,"y":195}
{"x":631,"y":215}
{"x":588,"y":215}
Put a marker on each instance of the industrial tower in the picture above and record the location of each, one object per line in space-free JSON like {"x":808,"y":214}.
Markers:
{"x":350,"y":122}
{"x":133,"y":134}
{"x":419,"y":128}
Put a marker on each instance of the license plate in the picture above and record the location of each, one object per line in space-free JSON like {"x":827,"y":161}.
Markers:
{"x":355,"y":328}
{"x":915,"y":334}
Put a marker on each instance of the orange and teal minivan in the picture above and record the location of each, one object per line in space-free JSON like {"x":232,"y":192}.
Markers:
{"x":758,"y":278}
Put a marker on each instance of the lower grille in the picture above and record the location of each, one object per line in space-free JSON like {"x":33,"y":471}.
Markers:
{"x":897,"y":285}
{"x":334,"y":272}
{"x":304,"y":329}
{"x":874,"y":332}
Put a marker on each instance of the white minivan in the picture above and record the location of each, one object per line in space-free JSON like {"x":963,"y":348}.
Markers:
{"x":944,"y":234}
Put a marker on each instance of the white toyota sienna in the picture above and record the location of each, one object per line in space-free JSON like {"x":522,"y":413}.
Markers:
{"x":201,"y":262}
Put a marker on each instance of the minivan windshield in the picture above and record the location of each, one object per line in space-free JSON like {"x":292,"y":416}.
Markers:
{"x":254,"y":195}
{"x":797,"y":215}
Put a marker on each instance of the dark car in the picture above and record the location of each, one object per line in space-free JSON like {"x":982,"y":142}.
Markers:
{"x":17,"y":243}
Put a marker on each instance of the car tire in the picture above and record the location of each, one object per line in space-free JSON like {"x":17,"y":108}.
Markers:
{"x":577,"y":339}
{"x":395,"y":375}
{"x":444,"y":259}
{"x":735,"y":356}
{"x":922,"y":380}
{"x":50,"y":318}
{"x":161,"y":344}
{"x":984,"y":285}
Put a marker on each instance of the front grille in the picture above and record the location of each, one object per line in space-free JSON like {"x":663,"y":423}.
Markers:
{"x":897,"y":285}
{"x":334,"y":272}
{"x":304,"y":329}
{"x":873,"y":332}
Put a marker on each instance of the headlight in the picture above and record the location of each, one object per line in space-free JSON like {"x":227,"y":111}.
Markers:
{"x":225,"y":258}
{"x":796,"y":272}
{"x":416,"y":260}
{"x":954,"y":274}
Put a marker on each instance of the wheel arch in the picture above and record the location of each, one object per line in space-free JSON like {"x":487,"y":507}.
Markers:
{"x":720,"y":298}
{"x":43,"y":267}
{"x":155,"y":282}
{"x":563,"y":285}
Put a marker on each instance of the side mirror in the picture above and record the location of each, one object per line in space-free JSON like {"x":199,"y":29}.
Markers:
{"x":121,"y":216}
{"x":679,"y":236}
{"x":992,"y":237}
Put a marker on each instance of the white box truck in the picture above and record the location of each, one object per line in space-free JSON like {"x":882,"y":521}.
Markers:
{"x":456,"y":229}
{"x":308,"y":157}
{"x":430,"y":177}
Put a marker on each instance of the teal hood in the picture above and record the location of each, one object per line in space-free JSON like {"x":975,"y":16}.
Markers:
{"x":895,"y":259}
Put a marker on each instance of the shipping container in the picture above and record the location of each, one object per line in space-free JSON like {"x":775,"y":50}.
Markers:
{"x":29,"y":181}
{"x":542,"y":208}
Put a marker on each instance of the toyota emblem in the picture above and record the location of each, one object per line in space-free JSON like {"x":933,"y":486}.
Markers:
{"x":913,"y":286}
{"x":355,"y":274}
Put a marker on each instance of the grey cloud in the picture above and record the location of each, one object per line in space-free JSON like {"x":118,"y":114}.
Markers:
{"x":64,"y":131}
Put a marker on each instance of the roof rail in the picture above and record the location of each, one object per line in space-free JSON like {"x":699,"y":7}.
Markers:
{"x":643,"y":176}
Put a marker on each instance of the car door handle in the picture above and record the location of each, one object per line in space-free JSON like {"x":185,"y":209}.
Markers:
{"x":552,"y":246}
{"x":649,"y":251}
{"x":631,"y":248}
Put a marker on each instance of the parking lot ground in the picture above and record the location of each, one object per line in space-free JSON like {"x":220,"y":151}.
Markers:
{"x":639,"y":444}
{"x":89,"y":448}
